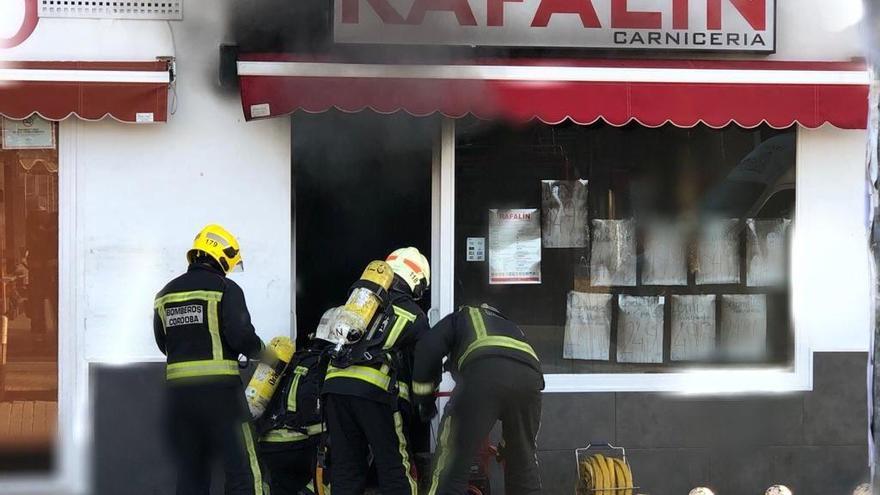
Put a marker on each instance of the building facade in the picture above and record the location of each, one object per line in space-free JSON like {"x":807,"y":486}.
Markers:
{"x":687,"y":349}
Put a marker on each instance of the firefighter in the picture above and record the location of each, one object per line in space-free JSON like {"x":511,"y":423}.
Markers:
{"x":364,"y":390}
{"x":498,"y":377}
{"x":291,"y":429}
{"x":202,"y":325}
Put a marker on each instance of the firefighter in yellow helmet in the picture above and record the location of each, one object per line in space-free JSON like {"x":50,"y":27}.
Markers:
{"x":202,"y":325}
{"x":367,"y":390}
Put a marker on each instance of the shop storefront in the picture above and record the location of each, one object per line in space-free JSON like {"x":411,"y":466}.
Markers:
{"x":643,"y":217}
{"x":680,"y":229}
{"x":651,"y":219}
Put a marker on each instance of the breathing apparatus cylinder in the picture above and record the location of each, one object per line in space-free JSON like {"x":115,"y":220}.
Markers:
{"x":367,"y":295}
{"x":268,"y":374}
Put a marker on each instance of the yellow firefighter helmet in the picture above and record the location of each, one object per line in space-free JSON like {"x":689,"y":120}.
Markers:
{"x":218,"y":243}
{"x":412,"y":266}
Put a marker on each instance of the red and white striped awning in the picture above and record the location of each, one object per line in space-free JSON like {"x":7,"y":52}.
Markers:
{"x":652,"y":93}
{"x":125,"y":91}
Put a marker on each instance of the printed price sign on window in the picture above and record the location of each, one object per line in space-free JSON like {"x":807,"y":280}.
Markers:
{"x":515,"y":246}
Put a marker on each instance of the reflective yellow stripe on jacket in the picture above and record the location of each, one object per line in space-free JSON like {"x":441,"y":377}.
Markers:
{"x":192,"y":369}
{"x":484,"y":340}
{"x":403,"y":391}
{"x":403,"y":319}
{"x":377,"y":377}
{"x":423,"y":388}
{"x":216,"y":366}
{"x":283,"y":435}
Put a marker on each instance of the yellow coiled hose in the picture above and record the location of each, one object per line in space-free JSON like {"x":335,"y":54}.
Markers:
{"x":600,"y":475}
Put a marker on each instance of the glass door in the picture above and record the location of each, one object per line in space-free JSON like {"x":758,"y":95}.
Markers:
{"x":28,"y":295}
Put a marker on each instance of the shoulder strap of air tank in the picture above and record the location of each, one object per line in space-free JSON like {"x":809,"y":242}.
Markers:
{"x":477,"y":322}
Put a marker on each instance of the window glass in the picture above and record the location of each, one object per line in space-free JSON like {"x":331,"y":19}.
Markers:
{"x":630,"y":249}
{"x":29,"y":319}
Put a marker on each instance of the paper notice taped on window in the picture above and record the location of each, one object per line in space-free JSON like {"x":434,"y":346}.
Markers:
{"x":744,"y":326}
{"x":476,"y":249}
{"x":613,"y":254}
{"x":640,"y":329}
{"x":766,"y":249}
{"x":693,"y":327}
{"x":515,"y":246}
{"x":718,"y":253}
{"x":665,"y":258}
{"x":564,"y":213}
{"x":587,"y":327}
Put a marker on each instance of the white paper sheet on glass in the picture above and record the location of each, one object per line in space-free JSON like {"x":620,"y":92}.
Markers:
{"x":718,"y":253}
{"x":693,"y":327}
{"x":587,"y":326}
{"x":665,"y":259}
{"x":744,"y":326}
{"x":564,"y":213}
{"x":476,"y":249}
{"x":515,"y":246}
{"x":613,"y":254}
{"x":640,"y":329}
{"x":766,"y":252}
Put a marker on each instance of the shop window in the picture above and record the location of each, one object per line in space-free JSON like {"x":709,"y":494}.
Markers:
{"x":630,"y":249}
{"x":29,"y":290}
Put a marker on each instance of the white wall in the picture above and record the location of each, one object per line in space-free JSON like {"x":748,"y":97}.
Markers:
{"x":144,"y":191}
{"x":831,"y":260}
{"x":818,"y":30}
{"x":89,"y":39}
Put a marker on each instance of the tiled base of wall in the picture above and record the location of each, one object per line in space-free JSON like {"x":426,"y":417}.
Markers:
{"x":813,"y":442}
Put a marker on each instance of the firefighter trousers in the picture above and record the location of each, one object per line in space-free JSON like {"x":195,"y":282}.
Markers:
{"x":208,"y":423}
{"x":490,"y":389}
{"x":291,"y":469}
{"x":357,"y":428}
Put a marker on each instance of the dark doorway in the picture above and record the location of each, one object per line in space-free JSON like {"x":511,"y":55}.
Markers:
{"x":362,"y":188}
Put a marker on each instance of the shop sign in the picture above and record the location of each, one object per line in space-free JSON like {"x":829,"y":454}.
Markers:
{"x":710,"y":25}
{"x":31,"y":133}
{"x":26,"y":27}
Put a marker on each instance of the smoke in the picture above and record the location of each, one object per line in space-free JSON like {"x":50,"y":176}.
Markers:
{"x":362,"y":189}
{"x":871,"y":22}
{"x":280,"y":26}
{"x":845,"y":14}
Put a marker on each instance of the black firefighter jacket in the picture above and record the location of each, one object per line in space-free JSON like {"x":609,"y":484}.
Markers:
{"x":202,"y":324}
